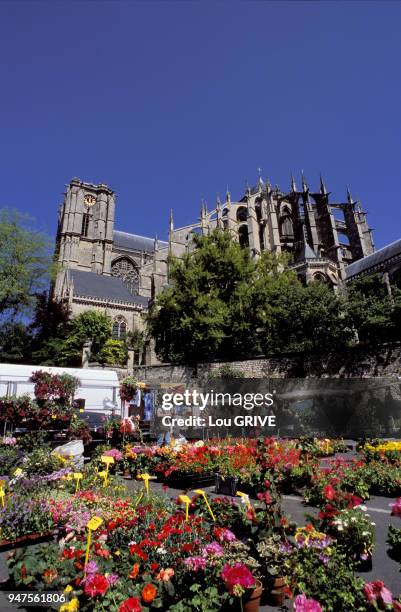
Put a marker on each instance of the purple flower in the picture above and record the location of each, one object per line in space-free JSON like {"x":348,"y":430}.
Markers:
{"x":91,"y":567}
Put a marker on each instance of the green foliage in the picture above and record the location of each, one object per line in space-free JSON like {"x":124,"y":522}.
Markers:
{"x":25,"y":264}
{"x":113,"y":352}
{"x":90,"y":326}
{"x":223,"y":304}
{"x":15,"y":343}
{"x":372,"y":312}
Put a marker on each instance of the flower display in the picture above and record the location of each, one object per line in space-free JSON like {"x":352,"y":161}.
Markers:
{"x":153,"y":552}
{"x":237,"y":578}
{"x":303,"y":604}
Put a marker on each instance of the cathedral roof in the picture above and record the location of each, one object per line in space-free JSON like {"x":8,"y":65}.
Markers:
{"x":133,"y":242}
{"x":90,"y":284}
{"x":377,"y":258}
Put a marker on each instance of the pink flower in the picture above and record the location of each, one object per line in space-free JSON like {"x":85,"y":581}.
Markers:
{"x":396,"y":507}
{"x":235,"y":575}
{"x":195,"y":563}
{"x":302,"y":604}
{"x":213,"y":549}
{"x":224,"y":535}
{"x":377,"y":591}
{"x":115,"y":453}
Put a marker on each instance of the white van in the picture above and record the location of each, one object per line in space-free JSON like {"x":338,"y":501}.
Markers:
{"x":99,"y":388}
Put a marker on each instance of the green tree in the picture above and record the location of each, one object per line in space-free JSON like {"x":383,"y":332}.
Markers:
{"x":15,"y":343}
{"x":113,"y":352}
{"x":92,"y":326}
{"x":25,"y":265}
{"x":371,"y":310}
{"x":193,"y":318}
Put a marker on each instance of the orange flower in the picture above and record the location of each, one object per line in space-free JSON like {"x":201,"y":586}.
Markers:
{"x":49,"y":575}
{"x":149,"y":592}
{"x":165,"y":575}
{"x":134,"y":572}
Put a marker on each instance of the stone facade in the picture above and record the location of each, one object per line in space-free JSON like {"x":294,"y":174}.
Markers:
{"x":118,"y":272}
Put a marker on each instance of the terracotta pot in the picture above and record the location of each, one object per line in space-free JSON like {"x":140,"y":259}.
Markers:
{"x":252,"y":604}
{"x":279,"y":583}
{"x":276,"y":597}
{"x":277,"y":593}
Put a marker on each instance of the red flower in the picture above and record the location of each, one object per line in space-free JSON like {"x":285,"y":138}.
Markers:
{"x":132,"y":604}
{"x":96,"y":585}
{"x":237,"y":574}
{"x":329,"y":492}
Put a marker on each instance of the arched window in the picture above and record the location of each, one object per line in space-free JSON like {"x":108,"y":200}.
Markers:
{"x":320,"y":277}
{"x":286,"y":226}
{"x":125,"y":269}
{"x":119,"y":329}
{"x":242,"y":214}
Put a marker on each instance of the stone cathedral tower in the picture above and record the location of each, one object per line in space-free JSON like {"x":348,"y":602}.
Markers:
{"x":85,"y":228}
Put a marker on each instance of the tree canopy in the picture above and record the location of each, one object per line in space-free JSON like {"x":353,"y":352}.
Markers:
{"x":223,"y":304}
{"x":25,"y":265}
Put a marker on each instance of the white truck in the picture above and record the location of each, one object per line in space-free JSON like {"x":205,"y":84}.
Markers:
{"x":99,"y":388}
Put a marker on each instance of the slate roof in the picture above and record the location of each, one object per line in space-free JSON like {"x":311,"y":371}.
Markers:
{"x":133,"y":242}
{"x":90,"y":284}
{"x":375,"y":259}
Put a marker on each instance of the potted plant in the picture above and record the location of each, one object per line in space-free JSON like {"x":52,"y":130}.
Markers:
{"x":354,"y":533}
{"x":128,"y":388}
{"x":275,"y":559}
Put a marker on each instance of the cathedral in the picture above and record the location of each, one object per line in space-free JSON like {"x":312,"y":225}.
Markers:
{"x":118,"y":272}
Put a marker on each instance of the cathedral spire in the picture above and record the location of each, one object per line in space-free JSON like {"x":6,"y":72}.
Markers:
{"x":218,"y":202}
{"x":228,"y":196}
{"x":156,"y":244}
{"x":293,"y":184}
{"x":171,"y":221}
{"x":305,"y":187}
{"x":350,"y":199}
{"x":323,"y":189}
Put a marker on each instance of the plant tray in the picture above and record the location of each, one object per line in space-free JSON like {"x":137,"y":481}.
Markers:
{"x":189,"y":480}
{"x":27,"y":540}
{"x":226,"y":485}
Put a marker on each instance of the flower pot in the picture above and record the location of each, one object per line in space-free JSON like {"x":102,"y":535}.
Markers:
{"x":277,"y":591}
{"x":364,"y":565}
{"x":252,"y":603}
{"x":226,"y":485}
{"x":276,"y":597}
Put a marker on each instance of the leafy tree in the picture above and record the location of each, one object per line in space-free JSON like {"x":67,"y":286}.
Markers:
{"x":193,"y":319}
{"x":371,"y":311}
{"x":50,"y":328}
{"x":113,"y":352}
{"x":90,"y":326}
{"x":25,"y":264}
{"x":15,"y":343}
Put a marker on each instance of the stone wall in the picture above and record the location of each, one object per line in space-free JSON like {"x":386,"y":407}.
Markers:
{"x":357,"y":361}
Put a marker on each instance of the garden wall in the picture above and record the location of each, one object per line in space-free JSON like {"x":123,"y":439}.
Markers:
{"x":357,"y":361}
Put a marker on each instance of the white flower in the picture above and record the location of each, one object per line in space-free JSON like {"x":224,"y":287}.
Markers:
{"x":339,"y":528}
{"x":353,"y":519}
{"x":365,"y":533}
{"x":161,"y":550}
{"x":362,"y":507}
{"x":372,"y":523}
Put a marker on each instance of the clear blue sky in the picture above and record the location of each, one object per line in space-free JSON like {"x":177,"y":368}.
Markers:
{"x":170,"y":102}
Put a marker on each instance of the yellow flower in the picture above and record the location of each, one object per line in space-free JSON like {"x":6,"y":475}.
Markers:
{"x":68,"y":589}
{"x":71,"y":606}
